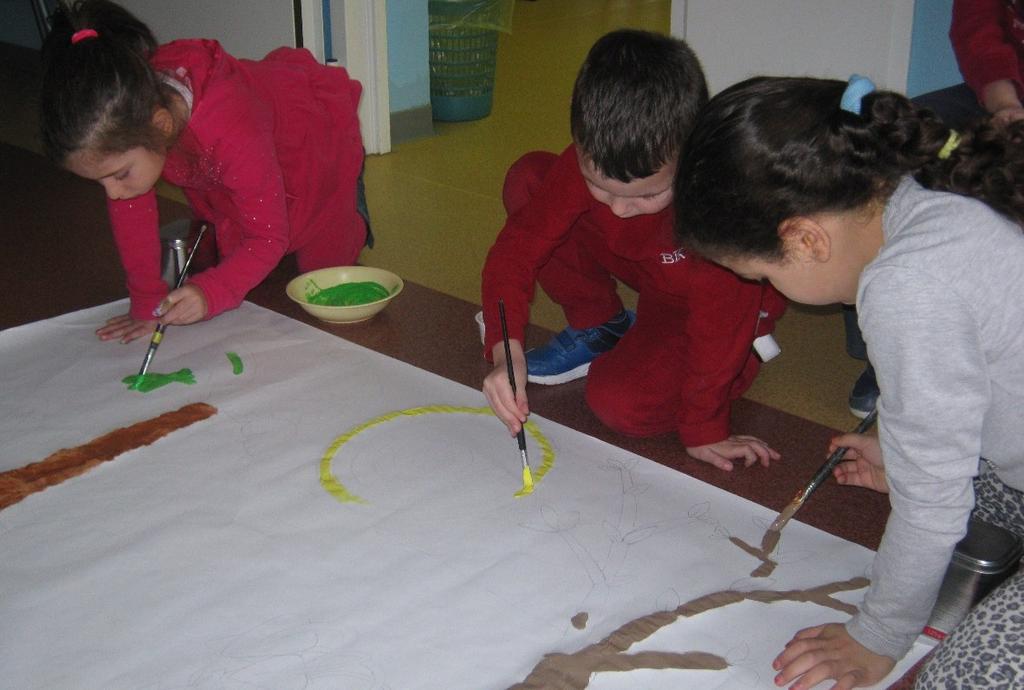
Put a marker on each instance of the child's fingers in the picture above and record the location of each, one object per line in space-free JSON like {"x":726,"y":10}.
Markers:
{"x":164,"y":306}
{"x":114,"y":327}
{"x":111,"y":331}
{"x":139,"y":329}
{"x":753,"y":450}
{"x":124,"y":329}
{"x":121,"y":320}
{"x":522,"y":404}
{"x":183,"y":306}
{"x":499,"y":396}
{"x":721,"y":463}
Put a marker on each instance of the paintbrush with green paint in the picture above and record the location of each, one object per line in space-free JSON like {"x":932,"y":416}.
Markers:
{"x":521,"y":436}
{"x":158,"y":334}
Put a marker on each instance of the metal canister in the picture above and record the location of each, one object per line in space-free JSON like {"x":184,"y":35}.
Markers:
{"x":985,"y":557}
{"x":176,"y":240}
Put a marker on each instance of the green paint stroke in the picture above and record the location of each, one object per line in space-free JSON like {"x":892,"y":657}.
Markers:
{"x":150,"y":382}
{"x":346,"y":294}
{"x":236,"y":363}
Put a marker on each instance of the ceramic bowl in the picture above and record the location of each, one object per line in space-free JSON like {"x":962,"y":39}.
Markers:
{"x":298,"y":288}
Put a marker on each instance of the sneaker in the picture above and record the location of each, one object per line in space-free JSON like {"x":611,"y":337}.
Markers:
{"x":864,"y":395}
{"x":568,"y":355}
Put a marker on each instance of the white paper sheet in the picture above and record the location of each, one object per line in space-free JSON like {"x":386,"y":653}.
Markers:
{"x":215,"y":559}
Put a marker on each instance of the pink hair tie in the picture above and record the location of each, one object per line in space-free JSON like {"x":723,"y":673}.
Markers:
{"x":83,"y":34}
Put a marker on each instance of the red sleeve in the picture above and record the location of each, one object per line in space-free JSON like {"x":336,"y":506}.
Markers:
{"x":135,"y":223}
{"x":720,"y":315}
{"x":983,"y":50}
{"x":525,"y":243}
{"x":250,"y":210}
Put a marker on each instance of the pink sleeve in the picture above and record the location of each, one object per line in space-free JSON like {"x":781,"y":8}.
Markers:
{"x":983,"y":50}
{"x":254,"y":211}
{"x":136,"y":232}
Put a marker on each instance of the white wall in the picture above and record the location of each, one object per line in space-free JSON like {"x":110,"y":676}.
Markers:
{"x":736,"y":39}
{"x":246,"y":28}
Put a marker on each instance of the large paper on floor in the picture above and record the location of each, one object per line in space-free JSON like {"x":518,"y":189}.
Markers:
{"x":215,"y":557}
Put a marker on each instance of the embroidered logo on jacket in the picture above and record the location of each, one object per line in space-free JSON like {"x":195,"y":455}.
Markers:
{"x":673,"y":257}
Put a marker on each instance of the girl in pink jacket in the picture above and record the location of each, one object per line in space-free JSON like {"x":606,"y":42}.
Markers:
{"x":268,"y":152}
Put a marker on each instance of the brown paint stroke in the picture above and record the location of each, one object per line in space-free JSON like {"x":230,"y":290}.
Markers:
{"x":18,"y":483}
{"x":558,"y":671}
{"x":770,"y":540}
{"x":767,"y":566}
{"x":774,"y":531}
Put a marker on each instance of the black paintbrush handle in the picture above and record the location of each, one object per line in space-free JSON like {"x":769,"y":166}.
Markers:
{"x":188,"y":260}
{"x":508,"y":350}
{"x":158,"y":334}
{"x":521,"y":436}
{"x":836,"y":457}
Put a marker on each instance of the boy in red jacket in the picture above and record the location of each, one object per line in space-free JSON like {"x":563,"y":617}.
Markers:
{"x":600,"y":212}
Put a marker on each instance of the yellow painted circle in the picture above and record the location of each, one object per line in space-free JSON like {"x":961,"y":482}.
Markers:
{"x":338,"y":490}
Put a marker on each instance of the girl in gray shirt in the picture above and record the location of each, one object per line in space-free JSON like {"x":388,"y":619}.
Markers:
{"x":837,"y":193}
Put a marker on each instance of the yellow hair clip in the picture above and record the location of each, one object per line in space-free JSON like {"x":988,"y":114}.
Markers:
{"x":951,"y":143}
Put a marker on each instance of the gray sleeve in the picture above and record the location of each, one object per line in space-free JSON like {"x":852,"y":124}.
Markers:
{"x":923,"y":342}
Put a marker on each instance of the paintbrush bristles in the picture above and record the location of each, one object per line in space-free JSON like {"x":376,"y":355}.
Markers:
{"x":527,"y":477}
{"x":787,"y":513}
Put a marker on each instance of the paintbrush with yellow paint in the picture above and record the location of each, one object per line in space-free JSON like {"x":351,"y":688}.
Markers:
{"x":521,"y":436}
{"x":771,"y":537}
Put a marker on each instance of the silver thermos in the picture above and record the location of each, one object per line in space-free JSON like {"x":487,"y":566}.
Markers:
{"x":176,"y":239}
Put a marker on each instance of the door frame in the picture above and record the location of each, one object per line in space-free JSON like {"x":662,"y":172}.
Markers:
{"x":366,"y":59}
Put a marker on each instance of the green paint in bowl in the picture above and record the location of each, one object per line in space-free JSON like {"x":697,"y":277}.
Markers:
{"x":345,"y":294}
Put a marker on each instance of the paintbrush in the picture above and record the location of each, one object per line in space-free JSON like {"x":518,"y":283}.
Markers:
{"x":771,"y":537}
{"x":158,"y":334}
{"x":521,"y":436}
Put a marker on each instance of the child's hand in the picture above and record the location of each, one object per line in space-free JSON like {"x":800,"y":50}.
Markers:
{"x":125,"y":328}
{"x":183,"y":306}
{"x":828,"y":651}
{"x":511,"y":410}
{"x":862,"y":463}
{"x":747,"y":448}
{"x":1006,"y":116}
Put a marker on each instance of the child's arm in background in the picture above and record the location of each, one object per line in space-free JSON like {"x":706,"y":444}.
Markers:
{"x":511,"y":409}
{"x":720,"y":314}
{"x":135,"y":225}
{"x":526,"y":241}
{"x":529,"y":236}
{"x":987,"y":56}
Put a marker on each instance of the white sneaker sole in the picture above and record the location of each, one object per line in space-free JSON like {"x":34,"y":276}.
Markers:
{"x":859,"y":414}
{"x":565,"y":377}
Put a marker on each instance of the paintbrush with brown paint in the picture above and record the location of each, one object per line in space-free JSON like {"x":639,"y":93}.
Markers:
{"x":771,"y":536}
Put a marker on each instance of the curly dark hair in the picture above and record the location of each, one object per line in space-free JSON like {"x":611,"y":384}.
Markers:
{"x":771,"y":148}
{"x":99,"y":93}
{"x":636,"y":98}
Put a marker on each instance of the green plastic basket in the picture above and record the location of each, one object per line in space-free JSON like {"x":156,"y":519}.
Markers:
{"x":463,"y":56}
